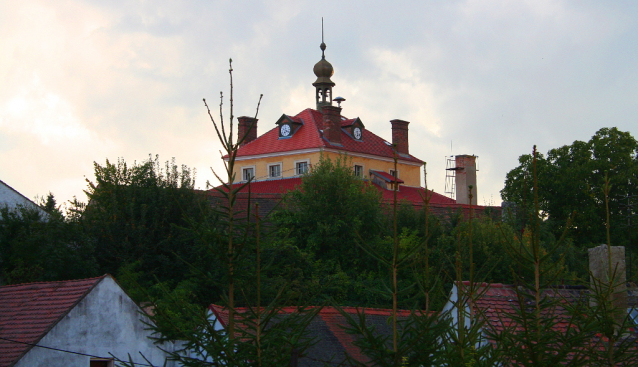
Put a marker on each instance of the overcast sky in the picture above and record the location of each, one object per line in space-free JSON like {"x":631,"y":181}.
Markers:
{"x":86,"y":81}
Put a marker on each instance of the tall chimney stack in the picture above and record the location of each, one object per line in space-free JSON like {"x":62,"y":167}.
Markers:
{"x":465,"y":177}
{"x":332,"y":124}
{"x":246,"y":127}
{"x":400,"y":136}
{"x":601,"y":278}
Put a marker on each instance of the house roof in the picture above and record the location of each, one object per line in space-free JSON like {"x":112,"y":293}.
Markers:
{"x":332,"y":340}
{"x":309,"y":135}
{"x":406,"y":193}
{"x":414,"y":195}
{"x":496,"y":301}
{"x":29,"y":311}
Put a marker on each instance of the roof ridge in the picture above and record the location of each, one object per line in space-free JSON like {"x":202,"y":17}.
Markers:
{"x":315,"y":123}
{"x":54,"y":281}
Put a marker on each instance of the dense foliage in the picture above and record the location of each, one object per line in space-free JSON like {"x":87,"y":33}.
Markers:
{"x":571,"y":179}
{"x":139,"y":218}
{"x":41,"y":246}
{"x":333,"y":241}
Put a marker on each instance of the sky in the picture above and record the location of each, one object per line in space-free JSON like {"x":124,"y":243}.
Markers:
{"x":86,"y":81}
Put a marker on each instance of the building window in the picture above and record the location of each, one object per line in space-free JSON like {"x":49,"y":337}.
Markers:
{"x":358,"y":170}
{"x":394,"y":173}
{"x":274,"y":170}
{"x":301,"y":167}
{"x":247,"y":173}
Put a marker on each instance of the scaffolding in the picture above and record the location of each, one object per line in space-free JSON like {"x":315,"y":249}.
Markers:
{"x":450,"y":176}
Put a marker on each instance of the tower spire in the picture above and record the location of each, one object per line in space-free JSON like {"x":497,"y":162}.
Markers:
{"x":323,"y":45}
{"x":323,"y":70}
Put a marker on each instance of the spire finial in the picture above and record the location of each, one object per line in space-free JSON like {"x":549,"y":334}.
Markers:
{"x":323,"y":45}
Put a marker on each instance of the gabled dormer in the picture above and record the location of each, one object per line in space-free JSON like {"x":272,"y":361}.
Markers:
{"x":354,"y":128}
{"x":288,"y":126}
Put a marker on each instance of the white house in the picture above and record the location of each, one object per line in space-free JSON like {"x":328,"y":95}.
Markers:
{"x":75,"y":323}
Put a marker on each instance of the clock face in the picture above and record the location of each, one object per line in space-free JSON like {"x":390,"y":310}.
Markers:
{"x":357,"y":133}
{"x":285,"y":130}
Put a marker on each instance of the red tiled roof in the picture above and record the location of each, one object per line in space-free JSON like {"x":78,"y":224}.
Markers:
{"x":279,"y":186}
{"x":29,"y":311}
{"x":309,"y":136}
{"x":411,"y":194}
{"x":347,"y":122}
{"x":414,"y":195}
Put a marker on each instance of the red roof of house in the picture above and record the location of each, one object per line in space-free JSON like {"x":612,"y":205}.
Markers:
{"x":29,"y":311}
{"x":276,"y":186}
{"x":406,"y":193}
{"x":415,"y":196}
{"x":327,"y":327}
{"x":309,"y":136}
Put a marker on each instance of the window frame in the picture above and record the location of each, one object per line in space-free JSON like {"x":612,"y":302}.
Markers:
{"x":306,"y":161}
{"x":362,"y":175}
{"x":397,"y":173}
{"x":281,"y":171}
{"x":243,"y":178}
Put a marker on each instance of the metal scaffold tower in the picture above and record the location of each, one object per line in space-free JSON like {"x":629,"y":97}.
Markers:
{"x":450,"y":176}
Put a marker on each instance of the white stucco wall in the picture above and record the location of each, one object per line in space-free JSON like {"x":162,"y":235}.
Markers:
{"x":106,"y":320}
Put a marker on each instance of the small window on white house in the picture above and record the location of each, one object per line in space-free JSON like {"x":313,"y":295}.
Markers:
{"x":101,"y":362}
{"x":358,"y":170}
{"x":247,"y":173}
{"x":274,"y":170}
{"x":301,"y":167}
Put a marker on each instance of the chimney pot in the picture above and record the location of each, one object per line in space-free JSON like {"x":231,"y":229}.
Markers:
{"x":400,"y":136}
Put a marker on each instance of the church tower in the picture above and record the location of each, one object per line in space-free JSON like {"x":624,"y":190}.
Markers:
{"x":323,"y":85}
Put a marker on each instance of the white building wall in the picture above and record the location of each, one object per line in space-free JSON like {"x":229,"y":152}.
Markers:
{"x":11,"y":198}
{"x":105,"y":321}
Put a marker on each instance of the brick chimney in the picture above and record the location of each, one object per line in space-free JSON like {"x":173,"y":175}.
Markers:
{"x":465,"y":177}
{"x":599,"y":270}
{"x":247,"y":126}
{"x":400,"y":136}
{"x":332,"y":124}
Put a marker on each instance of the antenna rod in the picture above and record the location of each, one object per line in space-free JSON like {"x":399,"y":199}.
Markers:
{"x":322,"y":30}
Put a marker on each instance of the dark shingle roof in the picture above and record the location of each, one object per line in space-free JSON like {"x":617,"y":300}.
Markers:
{"x":327,"y":329}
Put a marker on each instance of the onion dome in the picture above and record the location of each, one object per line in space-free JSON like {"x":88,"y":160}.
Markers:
{"x":323,"y":69}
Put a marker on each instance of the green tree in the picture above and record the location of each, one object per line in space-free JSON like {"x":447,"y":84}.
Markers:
{"x":571,"y":178}
{"x":136,"y":215}
{"x":43,"y":247}
{"x":330,"y":212}
{"x":257,"y":335}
